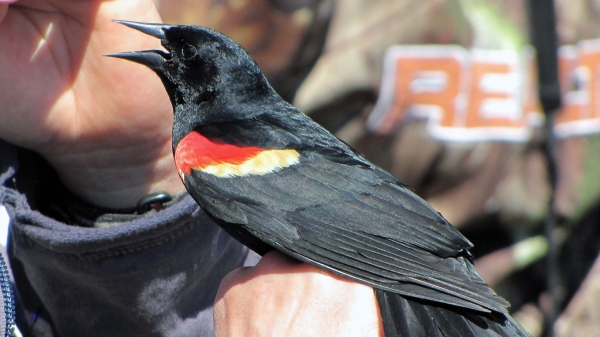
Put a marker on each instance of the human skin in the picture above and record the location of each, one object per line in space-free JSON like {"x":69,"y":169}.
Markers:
{"x":272,"y":298}
{"x":105,"y":127}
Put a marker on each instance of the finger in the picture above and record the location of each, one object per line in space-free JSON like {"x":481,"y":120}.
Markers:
{"x":276,"y":260}
{"x":233,"y":278}
{"x":273,"y":262}
{"x":4,"y":8}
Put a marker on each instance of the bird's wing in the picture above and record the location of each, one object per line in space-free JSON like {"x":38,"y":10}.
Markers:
{"x":351,"y":218}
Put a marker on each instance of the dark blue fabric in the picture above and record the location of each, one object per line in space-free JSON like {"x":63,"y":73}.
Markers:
{"x":154,"y":276}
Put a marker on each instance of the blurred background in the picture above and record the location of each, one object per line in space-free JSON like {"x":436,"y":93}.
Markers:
{"x":443,"y":95}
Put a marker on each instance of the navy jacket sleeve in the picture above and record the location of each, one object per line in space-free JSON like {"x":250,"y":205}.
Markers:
{"x":151,"y":275}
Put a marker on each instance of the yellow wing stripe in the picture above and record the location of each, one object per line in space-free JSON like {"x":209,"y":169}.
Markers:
{"x":265,"y":162}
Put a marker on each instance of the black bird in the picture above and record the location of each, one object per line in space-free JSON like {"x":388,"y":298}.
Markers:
{"x":274,"y":179}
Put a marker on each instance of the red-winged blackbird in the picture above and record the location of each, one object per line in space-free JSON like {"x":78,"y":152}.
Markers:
{"x":274,"y":179}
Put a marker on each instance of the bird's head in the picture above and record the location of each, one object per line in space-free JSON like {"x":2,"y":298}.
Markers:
{"x":200,"y":68}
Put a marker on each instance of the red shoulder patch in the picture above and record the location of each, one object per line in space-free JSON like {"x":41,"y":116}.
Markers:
{"x":195,"y":151}
{"x":215,"y":157}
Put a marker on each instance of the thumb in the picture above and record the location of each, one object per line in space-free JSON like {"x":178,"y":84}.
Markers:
{"x":4,"y":8}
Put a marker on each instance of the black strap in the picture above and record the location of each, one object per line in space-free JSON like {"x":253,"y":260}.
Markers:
{"x":542,"y":21}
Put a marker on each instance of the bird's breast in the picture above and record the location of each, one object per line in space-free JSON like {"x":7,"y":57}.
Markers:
{"x":218,"y":158}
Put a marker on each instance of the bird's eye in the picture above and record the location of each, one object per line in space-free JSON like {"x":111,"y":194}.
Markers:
{"x":188,"y":51}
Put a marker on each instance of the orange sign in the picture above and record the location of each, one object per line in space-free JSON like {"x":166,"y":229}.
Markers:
{"x":484,"y":95}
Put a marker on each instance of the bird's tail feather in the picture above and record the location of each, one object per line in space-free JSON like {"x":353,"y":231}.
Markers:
{"x":408,"y":317}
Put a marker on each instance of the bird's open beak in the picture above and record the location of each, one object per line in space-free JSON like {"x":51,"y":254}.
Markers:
{"x":150,"y":58}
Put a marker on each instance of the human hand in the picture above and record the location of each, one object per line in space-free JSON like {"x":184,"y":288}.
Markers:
{"x":283,"y":297}
{"x":103,"y":124}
